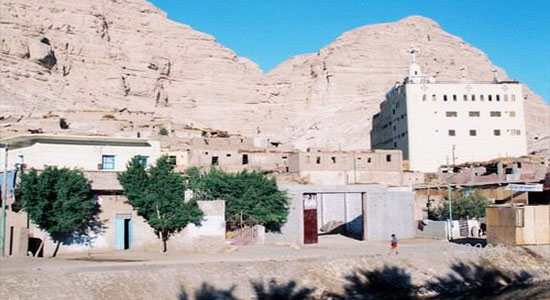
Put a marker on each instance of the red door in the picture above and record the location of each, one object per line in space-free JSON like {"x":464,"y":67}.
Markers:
{"x":310,"y":218}
{"x":310,"y":226}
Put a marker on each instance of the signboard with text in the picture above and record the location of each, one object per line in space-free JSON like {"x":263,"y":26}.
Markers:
{"x":525,"y":187}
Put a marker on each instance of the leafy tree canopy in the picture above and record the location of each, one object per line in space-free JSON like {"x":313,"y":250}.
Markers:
{"x":251,"y":197}
{"x":58,"y":201}
{"x":469,"y":204}
{"x":157,"y":194}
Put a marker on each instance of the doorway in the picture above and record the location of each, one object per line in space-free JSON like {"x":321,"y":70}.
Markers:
{"x":310,"y":218}
{"x":123,"y":231}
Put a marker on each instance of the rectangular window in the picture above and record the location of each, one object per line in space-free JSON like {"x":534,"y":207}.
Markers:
{"x":452,"y":132}
{"x":444,"y":97}
{"x":513,"y":98}
{"x":143,"y":160}
{"x":433,"y":98}
{"x":215,"y":161}
{"x":515,"y":132}
{"x":496,"y":132}
{"x":498,"y":97}
{"x":474,"y":113}
{"x":245,"y":159}
{"x":505,"y":98}
{"x":318,"y":160}
{"x":473,"y":132}
{"x":108,"y":162}
{"x":451,"y":114}
{"x":481,"y":98}
{"x":512,"y":114}
{"x":333,"y":159}
{"x":495,"y":114}
{"x":473,"y":97}
{"x":388,"y":157}
{"x":454,"y":97}
{"x":369,"y":160}
{"x":465,"y":97}
{"x":424,"y":97}
{"x":490,"y":97}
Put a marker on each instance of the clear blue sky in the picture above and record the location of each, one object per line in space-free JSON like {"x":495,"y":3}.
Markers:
{"x":515,"y":34}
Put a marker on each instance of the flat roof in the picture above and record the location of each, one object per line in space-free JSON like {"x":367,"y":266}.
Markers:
{"x":26,"y":140}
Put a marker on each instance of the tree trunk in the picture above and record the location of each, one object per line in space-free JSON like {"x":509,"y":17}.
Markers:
{"x":39,"y":248}
{"x":164,"y":244}
{"x":56,"y":248}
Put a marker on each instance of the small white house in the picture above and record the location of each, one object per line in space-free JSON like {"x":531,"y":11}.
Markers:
{"x":89,"y":153}
{"x":118,"y":226}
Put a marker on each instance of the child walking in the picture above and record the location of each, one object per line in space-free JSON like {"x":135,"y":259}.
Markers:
{"x":393,"y":247}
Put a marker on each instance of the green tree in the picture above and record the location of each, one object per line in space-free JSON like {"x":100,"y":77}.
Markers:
{"x":469,"y":204}
{"x":251,"y":197}
{"x":157,"y":194}
{"x":58,"y":201}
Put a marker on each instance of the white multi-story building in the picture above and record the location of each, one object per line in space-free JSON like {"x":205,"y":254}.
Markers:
{"x":438,"y":123}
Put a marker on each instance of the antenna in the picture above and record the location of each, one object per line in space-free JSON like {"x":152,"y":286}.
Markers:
{"x":412,"y":51}
{"x":495,"y":75}
{"x":463,"y":69}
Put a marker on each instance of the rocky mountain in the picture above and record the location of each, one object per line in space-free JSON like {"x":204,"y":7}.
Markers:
{"x":118,"y":67}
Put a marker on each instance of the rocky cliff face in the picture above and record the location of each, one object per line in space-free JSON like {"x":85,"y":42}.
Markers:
{"x":121,"y":67}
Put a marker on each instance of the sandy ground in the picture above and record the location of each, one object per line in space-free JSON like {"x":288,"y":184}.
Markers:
{"x":323,"y":267}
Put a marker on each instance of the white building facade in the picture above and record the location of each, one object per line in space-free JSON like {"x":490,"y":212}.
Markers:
{"x":87,"y":153}
{"x":440,"y":123}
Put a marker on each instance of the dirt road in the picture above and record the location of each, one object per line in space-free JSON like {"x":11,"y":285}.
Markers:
{"x":325,"y":268}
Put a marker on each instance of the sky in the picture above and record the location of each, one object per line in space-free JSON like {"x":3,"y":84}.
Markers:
{"x":514,"y":34}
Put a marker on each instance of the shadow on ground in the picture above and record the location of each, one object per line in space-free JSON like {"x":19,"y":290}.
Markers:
{"x":465,"y":281}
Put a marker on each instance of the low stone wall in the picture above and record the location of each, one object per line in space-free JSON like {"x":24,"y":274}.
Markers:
{"x":433,"y":230}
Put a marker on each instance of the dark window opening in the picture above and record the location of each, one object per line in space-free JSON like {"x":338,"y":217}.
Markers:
{"x":454,"y":97}
{"x":333,"y":159}
{"x":228,"y":155}
{"x":452,"y":132}
{"x":496,"y":132}
{"x":388,"y":157}
{"x":318,"y":160}
{"x":215,"y":161}
{"x":245,"y":159}
{"x":369,"y":160}
{"x":473,"y":132}
{"x":127,"y":233}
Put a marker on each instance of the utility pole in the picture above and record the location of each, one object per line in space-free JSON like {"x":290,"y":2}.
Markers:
{"x":4,"y":201}
{"x":449,"y":193}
